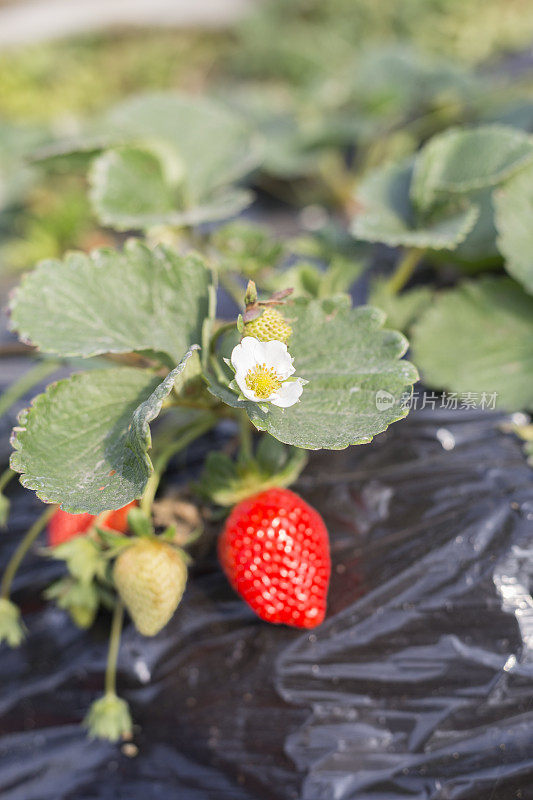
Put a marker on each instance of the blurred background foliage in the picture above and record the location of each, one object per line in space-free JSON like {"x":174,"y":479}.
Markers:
{"x":315,"y":78}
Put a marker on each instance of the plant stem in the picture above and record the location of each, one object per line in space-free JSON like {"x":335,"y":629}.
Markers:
{"x":114,"y":645}
{"x":194,"y":431}
{"x":5,"y":477}
{"x":246,"y":443}
{"x":217,"y":367}
{"x":24,"y":545}
{"x":404,"y":270}
{"x":18,"y":389}
{"x":220,"y":331}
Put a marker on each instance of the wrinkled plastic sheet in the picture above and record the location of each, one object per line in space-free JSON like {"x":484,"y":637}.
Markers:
{"x":418,"y":685}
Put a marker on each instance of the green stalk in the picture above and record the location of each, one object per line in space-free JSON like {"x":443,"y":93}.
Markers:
{"x":246,"y":437}
{"x":24,"y":545}
{"x":404,"y":270}
{"x":194,"y":431}
{"x":220,"y":331}
{"x":114,"y":645}
{"x":19,"y":388}
{"x":217,"y":367}
{"x":109,"y":717}
{"x":5,"y":477}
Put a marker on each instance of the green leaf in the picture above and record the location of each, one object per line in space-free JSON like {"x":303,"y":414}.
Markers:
{"x":246,"y":247}
{"x":385,"y":214}
{"x":214,"y":144}
{"x":357,"y":382}
{"x":190,"y":151}
{"x":513,"y":204}
{"x":479,"y":338}
{"x":461,"y":160}
{"x":401,"y":309}
{"x":16,"y":177}
{"x":394,"y":79}
{"x":479,"y":249}
{"x":131,"y":189}
{"x":84,"y":442}
{"x":130,"y":184}
{"x":308,"y":280}
{"x":114,"y":302}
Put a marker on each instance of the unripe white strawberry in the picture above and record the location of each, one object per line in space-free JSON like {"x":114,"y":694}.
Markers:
{"x":270,"y":325}
{"x":150,"y":577}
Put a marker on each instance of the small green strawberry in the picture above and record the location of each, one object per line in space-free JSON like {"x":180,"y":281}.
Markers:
{"x":150,"y":577}
{"x":270,"y":325}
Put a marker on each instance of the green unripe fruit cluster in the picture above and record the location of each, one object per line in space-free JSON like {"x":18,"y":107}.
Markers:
{"x":269,"y":326}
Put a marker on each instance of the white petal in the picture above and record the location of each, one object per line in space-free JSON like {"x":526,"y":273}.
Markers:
{"x":242,"y":355}
{"x":240,"y":378}
{"x":288,"y":394}
{"x":278,"y":356}
{"x":241,"y":358}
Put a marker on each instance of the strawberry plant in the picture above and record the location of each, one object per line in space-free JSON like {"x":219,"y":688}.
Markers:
{"x":157,"y":357}
{"x":163,"y":369}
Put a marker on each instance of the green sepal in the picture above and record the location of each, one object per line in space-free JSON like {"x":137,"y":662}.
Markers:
{"x":169,"y":534}
{"x":226,"y":482}
{"x":83,"y":558}
{"x":139,"y":523}
{"x":12,"y":628}
{"x":250,"y":296}
{"x":109,"y":718}
{"x":80,"y":599}
{"x":110,"y":538}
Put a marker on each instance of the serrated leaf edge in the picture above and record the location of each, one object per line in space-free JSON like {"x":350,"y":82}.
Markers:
{"x":15,"y":461}
{"x":69,"y":259}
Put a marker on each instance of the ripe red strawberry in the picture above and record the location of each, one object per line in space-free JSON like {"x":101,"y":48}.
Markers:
{"x":64,"y":526}
{"x":275,"y":552}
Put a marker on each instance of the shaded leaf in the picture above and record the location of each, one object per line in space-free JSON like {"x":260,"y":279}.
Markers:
{"x":130,"y":189}
{"x":385,"y":214}
{"x":479,"y":338}
{"x":465,"y":159}
{"x":401,"y":309}
{"x":114,"y":302}
{"x":513,"y":205}
{"x":479,"y":247}
{"x":166,"y":138}
{"x":84,"y":442}
{"x":246,"y":247}
{"x":214,"y":145}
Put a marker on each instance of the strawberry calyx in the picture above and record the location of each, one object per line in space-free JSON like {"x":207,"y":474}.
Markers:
{"x":226,"y":481}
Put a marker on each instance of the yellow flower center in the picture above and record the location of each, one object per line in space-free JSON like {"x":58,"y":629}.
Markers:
{"x":263,"y":380}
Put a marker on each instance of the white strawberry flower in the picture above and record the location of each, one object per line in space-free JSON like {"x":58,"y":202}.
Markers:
{"x":263,"y":372}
